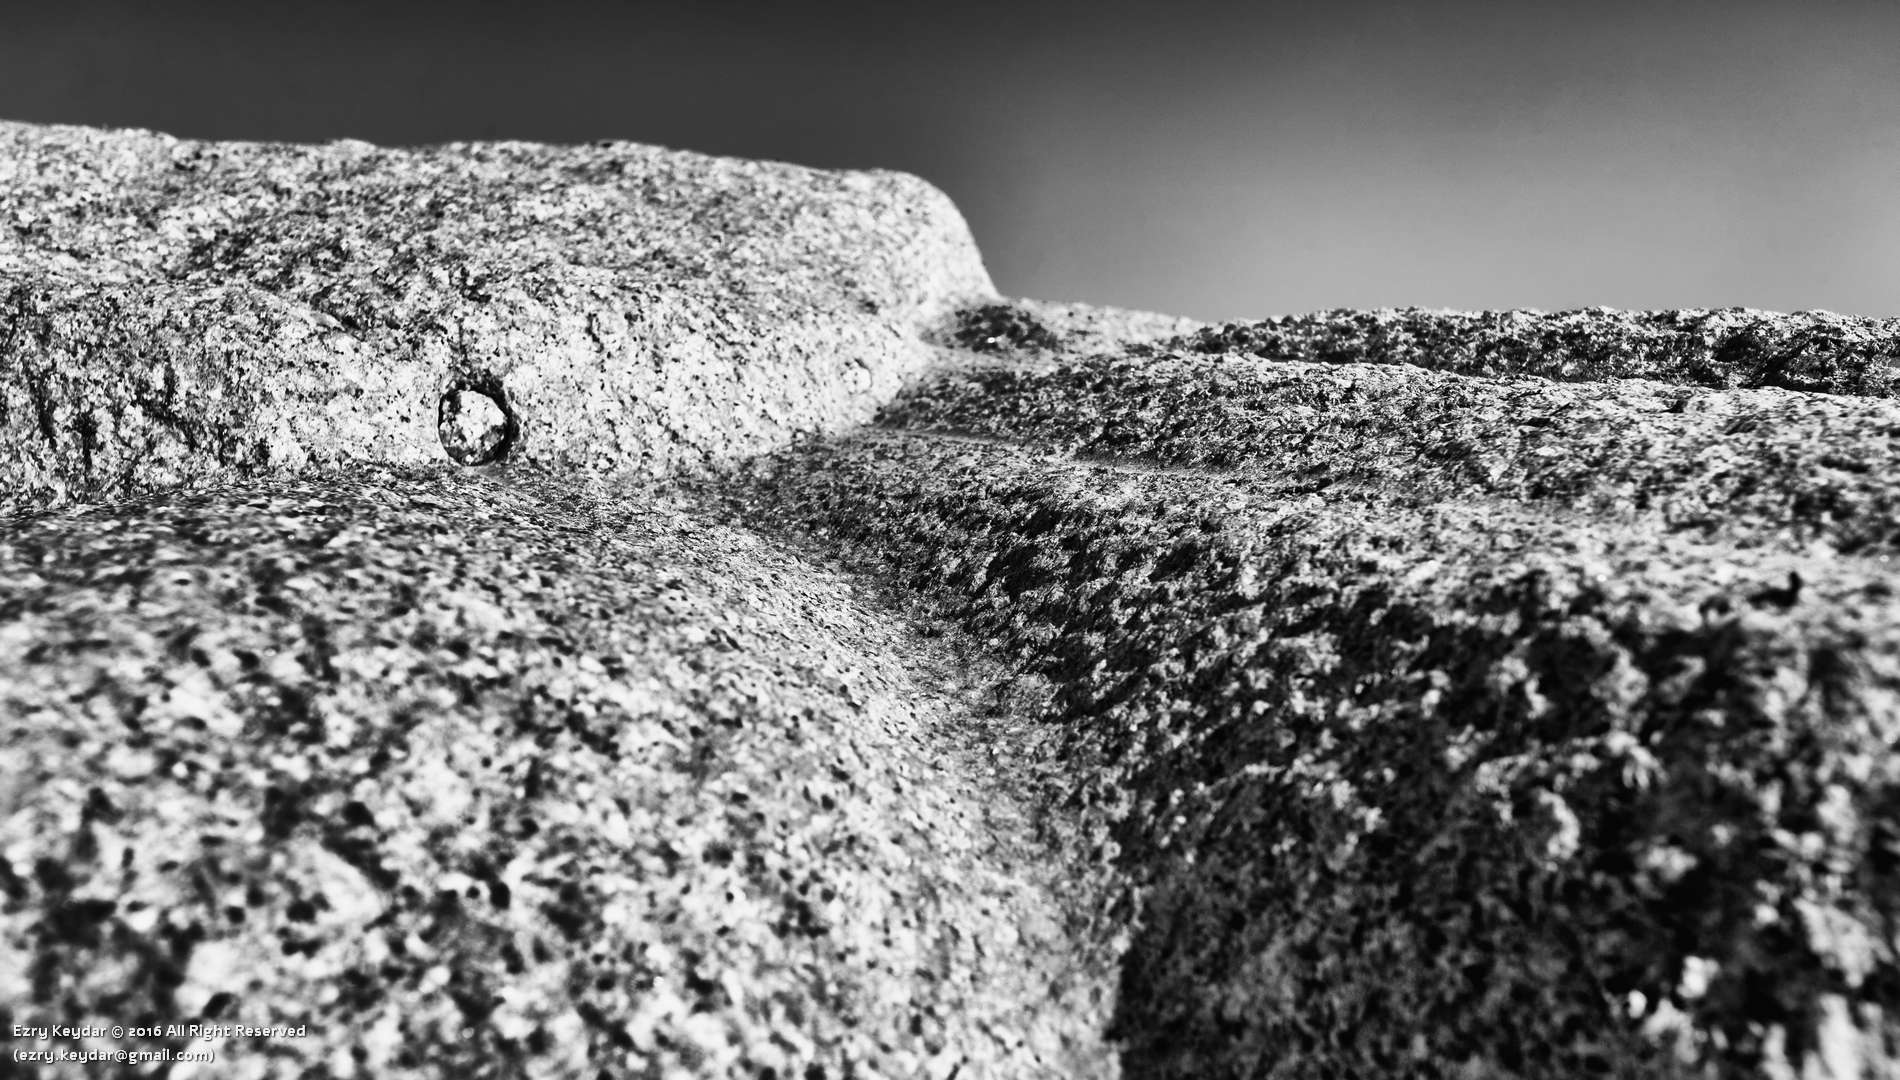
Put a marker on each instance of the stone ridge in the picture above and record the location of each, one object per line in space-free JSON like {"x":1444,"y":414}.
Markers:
{"x":842,"y":671}
{"x":1435,"y":724}
{"x":1745,"y":464}
{"x":172,"y":309}
{"x":466,"y":772}
{"x":1729,"y":347}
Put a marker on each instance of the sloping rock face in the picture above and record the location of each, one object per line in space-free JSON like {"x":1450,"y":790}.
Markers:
{"x":461,"y":773}
{"x":572,"y":611}
{"x":174,"y":308}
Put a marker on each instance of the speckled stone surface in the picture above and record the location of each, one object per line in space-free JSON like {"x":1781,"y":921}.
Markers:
{"x":171,"y":308}
{"x":1436,"y":724}
{"x":540,"y":611}
{"x":464,"y":772}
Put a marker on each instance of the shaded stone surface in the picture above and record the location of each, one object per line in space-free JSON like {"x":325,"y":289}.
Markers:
{"x":475,"y":426}
{"x":1436,"y":724}
{"x":535,"y":611}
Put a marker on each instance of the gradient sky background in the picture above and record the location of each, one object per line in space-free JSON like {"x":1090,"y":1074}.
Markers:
{"x":1217,"y":160}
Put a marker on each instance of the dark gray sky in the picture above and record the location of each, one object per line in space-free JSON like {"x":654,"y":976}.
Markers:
{"x":1218,"y":160}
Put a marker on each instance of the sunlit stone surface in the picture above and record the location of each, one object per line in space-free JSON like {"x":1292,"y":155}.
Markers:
{"x":526,"y":610}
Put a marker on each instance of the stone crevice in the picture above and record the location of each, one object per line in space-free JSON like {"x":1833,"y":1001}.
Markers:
{"x":562,"y":611}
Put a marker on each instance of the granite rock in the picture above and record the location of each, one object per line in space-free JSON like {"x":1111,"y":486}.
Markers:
{"x":172,"y":309}
{"x":552,"y":611}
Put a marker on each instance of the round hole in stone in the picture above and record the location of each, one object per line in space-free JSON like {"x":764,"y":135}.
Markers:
{"x":474,"y":425}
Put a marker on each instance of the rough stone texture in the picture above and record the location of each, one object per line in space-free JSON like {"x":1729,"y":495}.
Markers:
{"x":171,"y":309}
{"x":469,"y":773}
{"x":1816,"y":350}
{"x":845,"y":672}
{"x":1437,"y":725}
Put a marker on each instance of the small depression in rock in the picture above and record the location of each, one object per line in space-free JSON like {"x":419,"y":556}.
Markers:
{"x":1001,"y":327}
{"x":474,"y":427}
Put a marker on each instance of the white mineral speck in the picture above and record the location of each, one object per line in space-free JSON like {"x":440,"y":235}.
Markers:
{"x":472,"y":425}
